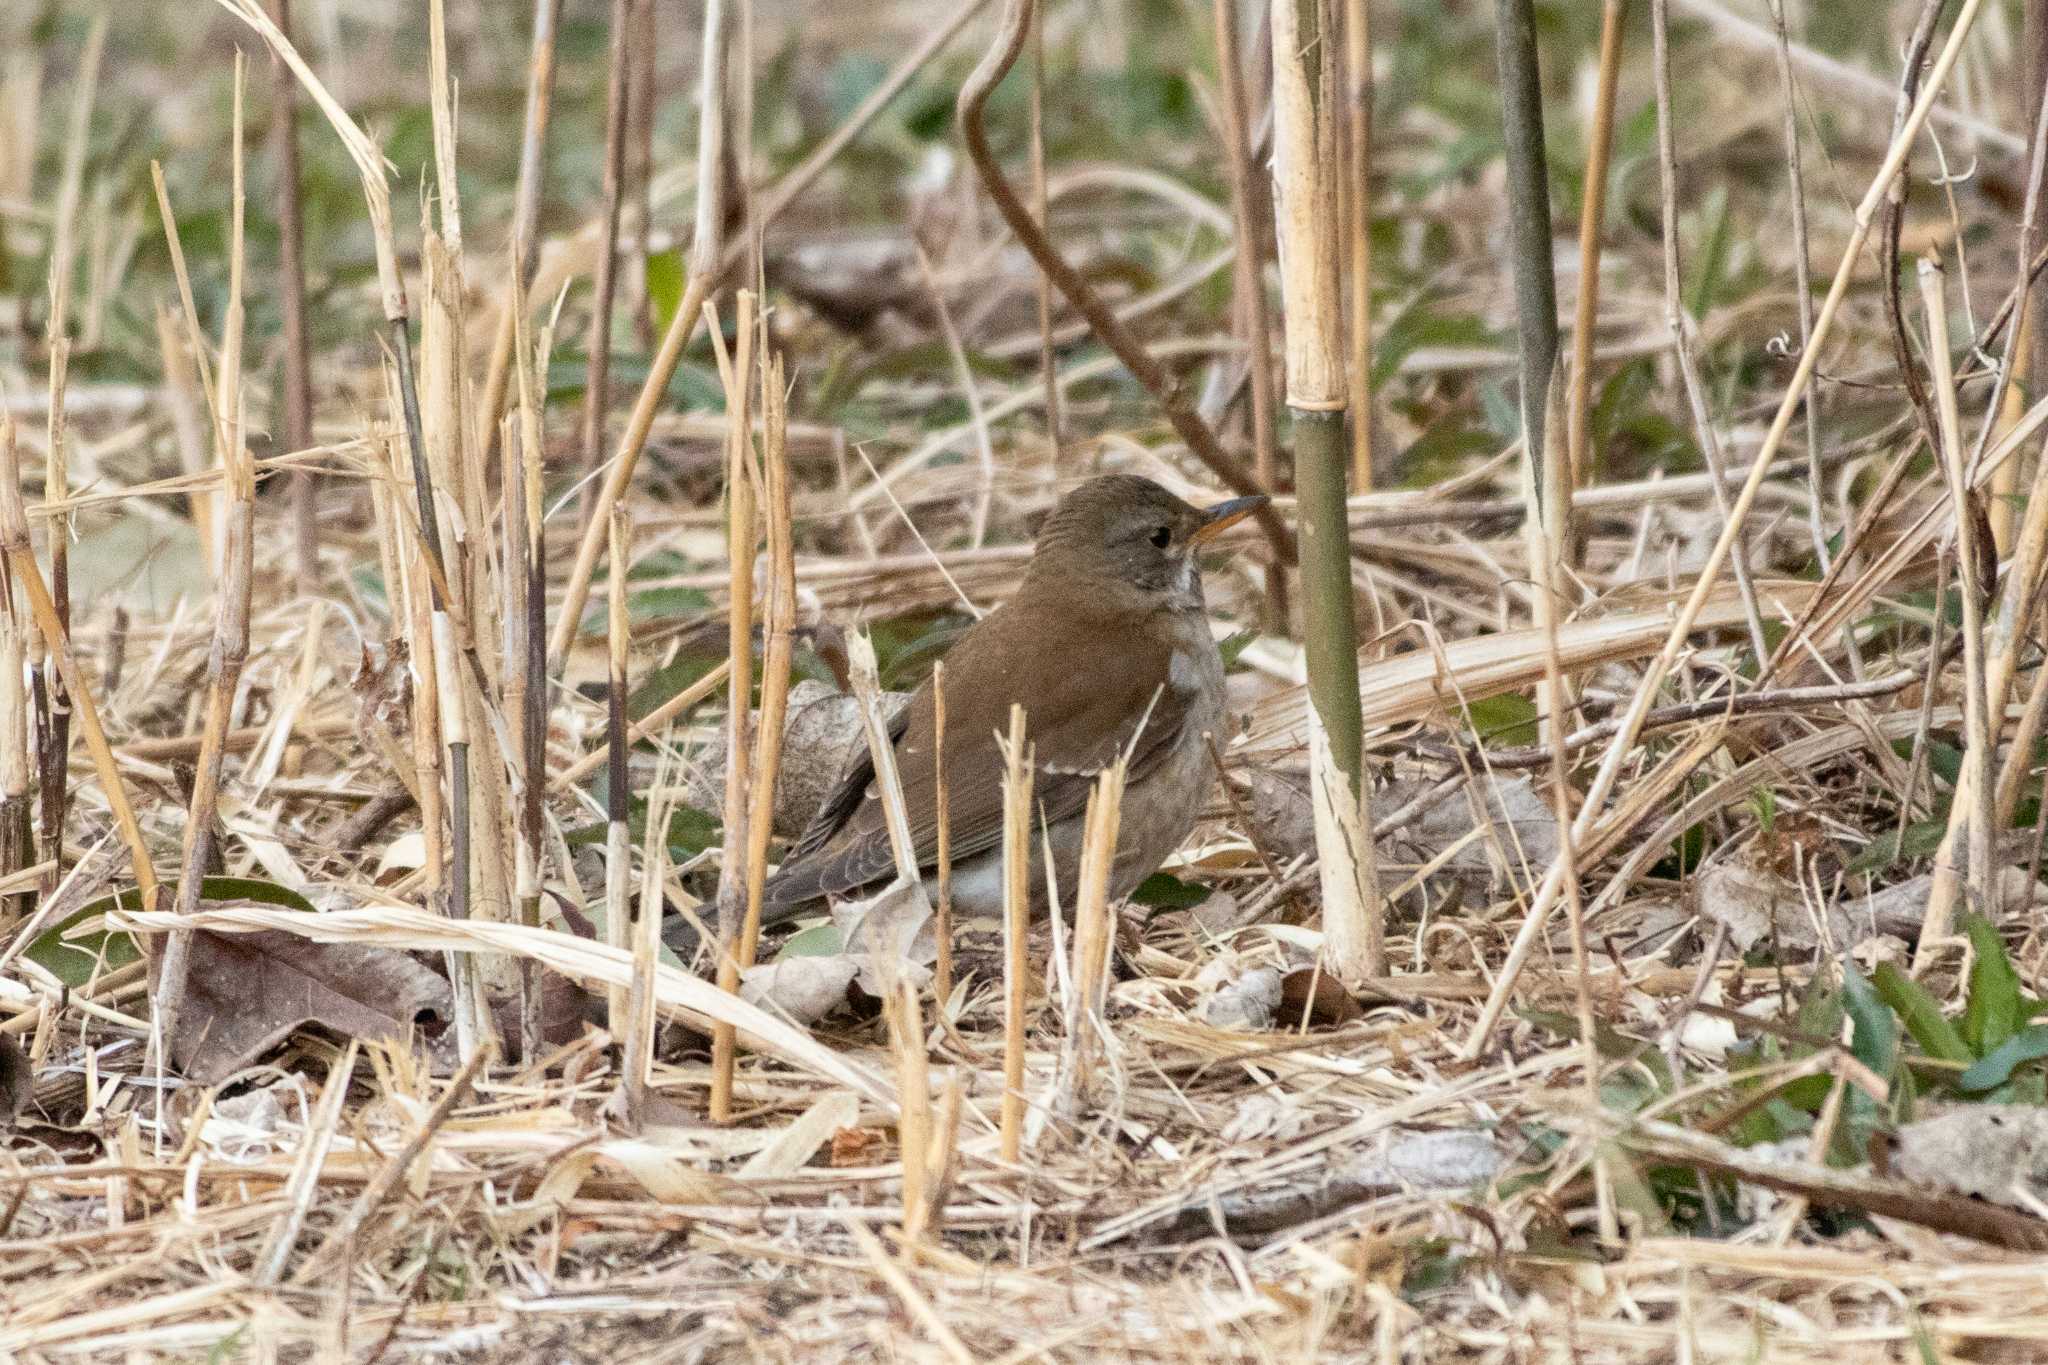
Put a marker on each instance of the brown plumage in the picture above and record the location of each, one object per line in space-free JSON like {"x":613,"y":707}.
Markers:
{"x":1107,"y":647}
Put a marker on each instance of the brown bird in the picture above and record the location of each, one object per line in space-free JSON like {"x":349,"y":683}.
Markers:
{"x":1107,"y":648}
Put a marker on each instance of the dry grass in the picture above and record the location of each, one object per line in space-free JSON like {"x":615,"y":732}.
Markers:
{"x":1434,"y":1168}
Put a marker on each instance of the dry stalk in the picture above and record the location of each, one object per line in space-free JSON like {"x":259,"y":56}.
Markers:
{"x":322,"y":1125}
{"x":867,"y":689}
{"x":942,"y":922}
{"x":53,"y":730}
{"x":1660,"y":667}
{"x":742,"y":534}
{"x":291,"y":283}
{"x":914,"y":1115}
{"x":1543,"y":569}
{"x":1802,"y":284}
{"x":1017,"y":778}
{"x":17,"y":835}
{"x":1165,"y":388}
{"x":618,"y":838}
{"x":779,"y":647}
{"x":1048,"y":363}
{"x":1094,"y":928}
{"x":230,"y":647}
{"x":1304,"y":193}
{"x":705,"y":266}
{"x":57,"y":642}
{"x":1676,"y":319}
{"x":1592,"y":218}
{"x":644,"y":942}
{"x":1973,"y":804}
{"x":597,"y":374}
{"x":526,"y":683}
{"x":1248,"y":227}
{"x":526,"y":197}
{"x":1356,"y":184}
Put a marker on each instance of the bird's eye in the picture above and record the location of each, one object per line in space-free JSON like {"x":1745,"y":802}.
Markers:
{"x":1162,"y":537}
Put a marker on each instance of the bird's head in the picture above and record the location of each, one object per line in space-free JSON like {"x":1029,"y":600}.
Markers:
{"x":1123,"y":543}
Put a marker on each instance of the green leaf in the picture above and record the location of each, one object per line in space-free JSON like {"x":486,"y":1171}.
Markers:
{"x":72,"y":960}
{"x":1922,"y":1015}
{"x":1922,"y":838}
{"x":1509,"y":718}
{"x":665,"y":285}
{"x":2028,"y":1045}
{"x":1162,"y":892}
{"x":1992,"y":1011}
{"x":1874,"y":1032}
{"x":820,"y":940}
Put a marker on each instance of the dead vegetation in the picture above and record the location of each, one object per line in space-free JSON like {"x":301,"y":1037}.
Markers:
{"x":352,"y":759}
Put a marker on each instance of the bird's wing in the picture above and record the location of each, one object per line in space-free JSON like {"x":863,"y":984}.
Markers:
{"x":1075,"y":727}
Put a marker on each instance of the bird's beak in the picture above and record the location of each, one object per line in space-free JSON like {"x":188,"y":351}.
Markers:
{"x":1224,"y":515}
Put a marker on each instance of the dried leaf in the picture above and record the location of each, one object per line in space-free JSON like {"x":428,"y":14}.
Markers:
{"x":248,"y":991}
{"x":1318,"y":993}
{"x":1989,"y":1151}
{"x":806,"y":989}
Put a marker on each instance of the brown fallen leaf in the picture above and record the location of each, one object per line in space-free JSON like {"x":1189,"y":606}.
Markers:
{"x":857,"y":1146}
{"x":248,"y":992}
{"x":1321,"y":995}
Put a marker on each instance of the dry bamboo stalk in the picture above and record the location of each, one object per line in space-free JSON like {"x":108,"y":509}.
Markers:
{"x":742,"y":532}
{"x":230,"y":647}
{"x":942,"y":922}
{"x":778,"y":650}
{"x":54,"y":731}
{"x":945,"y":1155}
{"x":291,"y":279}
{"x":205,"y":504}
{"x":1093,"y":930}
{"x":1016,"y":928}
{"x":1357,"y":186}
{"x":57,"y":642}
{"x":597,"y":374}
{"x":1803,"y":287}
{"x":867,"y":688}
{"x":644,"y":942}
{"x":618,"y":846}
{"x":705,"y":266}
{"x":1248,"y":227}
{"x":1544,"y":557}
{"x":1318,"y":387}
{"x":641,"y":99}
{"x":914,"y":1106}
{"x":17,"y":836}
{"x":526,"y":196}
{"x":440,"y":639}
{"x":526,"y":680}
{"x":1592,"y":215}
{"x":184,"y":403}
{"x":1973,"y":804}
{"x":1660,"y":667}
